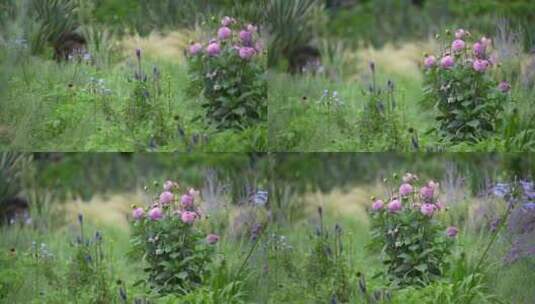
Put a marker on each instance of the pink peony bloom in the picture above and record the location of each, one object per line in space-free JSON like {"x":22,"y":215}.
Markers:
{"x":480,"y":65}
{"x":156,"y":213}
{"x":195,"y":48}
{"x":427,"y":209}
{"x":430,"y":61}
{"x":166,"y":197}
{"x":504,"y":86}
{"x":186,"y":200}
{"x":246,"y":37}
{"x":447,"y":62}
{"x":377,"y":205}
{"x":427,"y":192}
{"x":394,"y":206}
{"x":460,"y":33}
{"x":457,"y":45}
{"x":226,"y":21}
{"x":213,"y":49}
{"x":212,"y":238}
{"x":452,"y":231}
{"x":246,"y":52}
{"x":188,"y":217}
{"x":479,"y":49}
{"x":138,"y":213}
{"x":168,"y":185}
{"x":224,"y":33}
{"x":405,"y":189}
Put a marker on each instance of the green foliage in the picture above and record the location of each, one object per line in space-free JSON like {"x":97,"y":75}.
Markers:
{"x":413,"y":243}
{"x":234,"y":87}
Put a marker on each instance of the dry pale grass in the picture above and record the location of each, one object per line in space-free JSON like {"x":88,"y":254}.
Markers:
{"x":112,"y":211}
{"x":338,"y":203}
{"x":168,"y":46}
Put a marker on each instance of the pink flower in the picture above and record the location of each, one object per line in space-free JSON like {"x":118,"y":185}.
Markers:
{"x":405,"y":189}
{"x":251,"y":28}
{"x":246,"y":52}
{"x":246,"y":37}
{"x":452,"y":231}
{"x":377,"y":205}
{"x":394,"y":206}
{"x":480,"y":65}
{"x":224,"y":33}
{"x":440,"y":205}
{"x":168,"y":185}
{"x":504,"y":86}
{"x":138,"y":213}
{"x":213,"y":49}
{"x":187,"y":200}
{"x":457,"y":45}
{"x":156,"y":213}
{"x":195,"y":48}
{"x":193,"y":192}
{"x":188,"y":217}
{"x":166,"y":197}
{"x":212,"y":238}
{"x":447,"y":62}
{"x":226,"y":21}
{"x":409,"y":177}
{"x":486,"y":41}
{"x":479,"y":49}
{"x":427,"y":209}
{"x":460,"y":33}
{"x":427,"y":192}
{"x":430,"y":61}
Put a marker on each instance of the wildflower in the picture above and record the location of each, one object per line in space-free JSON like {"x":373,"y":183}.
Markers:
{"x":409,"y":177}
{"x":479,"y":49}
{"x":186,"y":200}
{"x":137,"y":213}
{"x":166,"y":197}
{"x":487,"y":42}
{"x":195,"y":48}
{"x":213,"y":49}
{"x":405,"y":189}
{"x":224,"y":33}
{"x":457,"y":45}
{"x":194,"y":192}
{"x":212,"y":238}
{"x":188,"y":217}
{"x":427,"y":209}
{"x":504,"y":86}
{"x":168,"y":185}
{"x":480,"y":65}
{"x":377,"y":205}
{"x":452,"y":231}
{"x":246,"y":37}
{"x":259,"y":46}
{"x":226,"y":21}
{"x":427,"y":192}
{"x":251,"y":28}
{"x":460,"y":33}
{"x":246,"y":53}
{"x":156,"y":213}
{"x":447,"y":62}
{"x":394,"y":206}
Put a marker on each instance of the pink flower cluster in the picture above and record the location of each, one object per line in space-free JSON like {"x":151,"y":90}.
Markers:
{"x":166,"y":205}
{"x":425,"y":200}
{"x":476,"y":58}
{"x":244,"y":43}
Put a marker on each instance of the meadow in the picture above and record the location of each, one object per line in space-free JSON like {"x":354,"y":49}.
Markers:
{"x":299,"y":242}
{"x":362,"y":82}
{"x":72,"y":80}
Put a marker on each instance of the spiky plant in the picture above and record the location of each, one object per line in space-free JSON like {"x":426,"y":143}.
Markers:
{"x":290,"y":25}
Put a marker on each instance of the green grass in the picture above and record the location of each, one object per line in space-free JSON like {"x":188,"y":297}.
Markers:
{"x":48,"y":106}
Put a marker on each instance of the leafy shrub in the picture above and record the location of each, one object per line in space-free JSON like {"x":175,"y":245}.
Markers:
{"x":167,"y":235}
{"x":469,"y":101}
{"x":230,"y":74}
{"x":411,"y":238}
